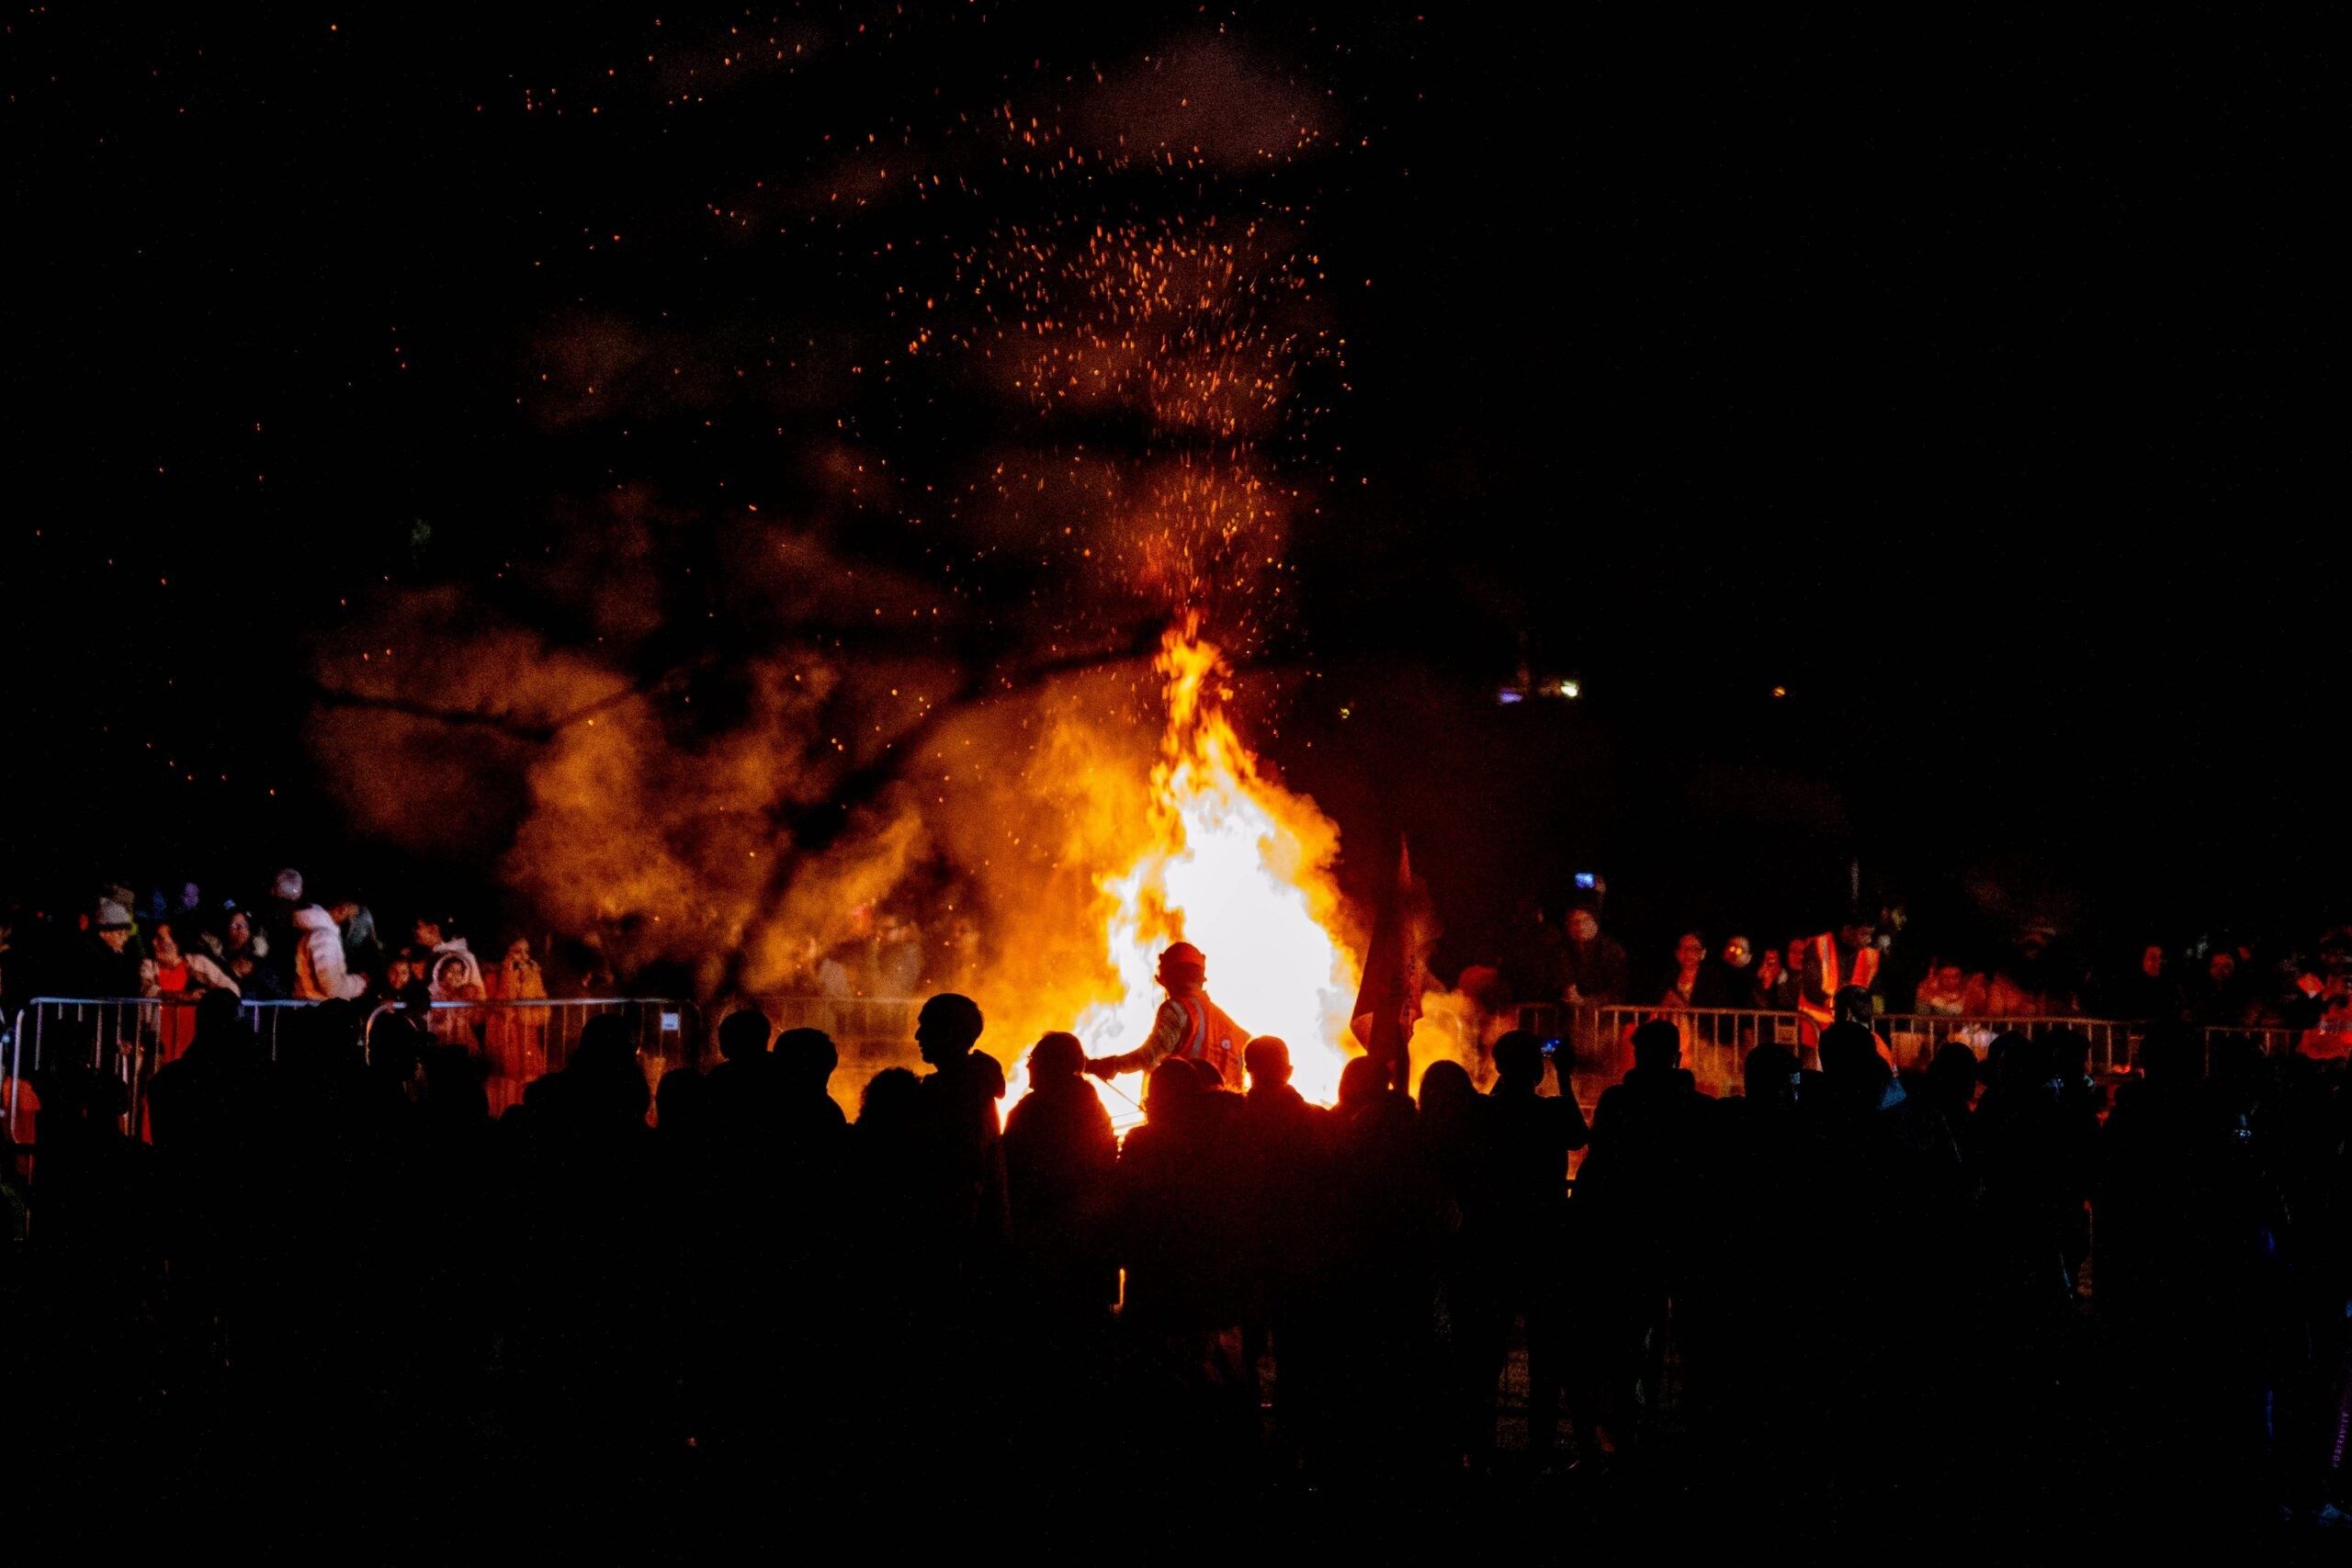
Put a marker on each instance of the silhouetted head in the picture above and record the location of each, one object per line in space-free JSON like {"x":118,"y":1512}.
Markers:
{"x":892,"y":1101}
{"x":1172,"y":1091}
{"x":605,"y":1067}
{"x":1953,"y":1074}
{"x":1657,"y":1046}
{"x":1183,"y":967}
{"x":1859,"y":930}
{"x":1057,"y":1057}
{"x":1363,"y":1082}
{"x":393,"y":1044}
{"x":1849,"y":1056}
{"x":606,"y":1040}
{"x":1447,"y":1091}
{"x":1519,"y":1061}
{"x":947,"y":1028}
{"x":1852,"y":1005}
{"x":1691,"y":950}
{"x":743,"y":1032}
{"x":1766,"y":1073}
{"x":1268,"y":1061}
{"x":2023,"y":1061}
{"x":807,"y":1056}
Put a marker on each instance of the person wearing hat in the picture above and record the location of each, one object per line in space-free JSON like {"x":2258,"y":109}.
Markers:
{"x":1188,"y":1025}
{"x":110,"y":965}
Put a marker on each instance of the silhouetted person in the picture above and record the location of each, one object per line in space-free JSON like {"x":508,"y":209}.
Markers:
{"x":967,"y":1147}
{"x":743,"y":1083}
{"x":1635,"y":1208}
{"x":1375,"y":1388}
{"x":203,"y":1105}
{"x":1059,"y":1156}
{"x":1458,"y":1150}
{"x":1754,"y":1312}
{"x":892,"y":1192}
{"x":1525,"y":1239}
{"x":1280,"y":1151}
{"x":1950,"y":1084}
{"x":1187,"y":1392}
{"x":1175,"y":1231}
{"x":807,"y":1116}
{"x":1894,"y":1204}
{"x":1275,"y":1110}
{"x":2189,"y":1233}
{"x":2033,"y":1145}
{"x":81,"y":1292}
{"x":683,"y":1110}
{"x":593,"y":1264}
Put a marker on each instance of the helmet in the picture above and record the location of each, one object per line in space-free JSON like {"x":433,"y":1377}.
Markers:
{"x":1183,"y":956}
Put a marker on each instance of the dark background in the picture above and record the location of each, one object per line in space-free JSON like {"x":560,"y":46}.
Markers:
{"x":1960,"y":376}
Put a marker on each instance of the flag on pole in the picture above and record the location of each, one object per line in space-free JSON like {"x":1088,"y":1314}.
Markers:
{"x":1388,"y":1003}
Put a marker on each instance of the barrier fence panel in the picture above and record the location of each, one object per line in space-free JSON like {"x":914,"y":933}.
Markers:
{"x":130,"y":1039}
{"x":1715,"y":1041}
{"x":1598,"y":1040}
{"x":1917,"y":1037}
{"x":2276,"y":1041}
{"x":857,"y":1023}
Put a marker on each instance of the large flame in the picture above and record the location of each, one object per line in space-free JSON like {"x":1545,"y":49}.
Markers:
{"x":1240,"y":868}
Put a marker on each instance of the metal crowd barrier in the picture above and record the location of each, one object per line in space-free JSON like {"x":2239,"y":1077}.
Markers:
{"x":1715,"y":1041}
{"x":870,"y":1023}
{"x":1597,"y":1041}
{"x":130,"y":1038}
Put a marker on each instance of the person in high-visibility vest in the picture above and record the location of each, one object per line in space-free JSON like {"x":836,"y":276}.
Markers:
{"x":1188,"y":1025}
{"x":1833,"y":962}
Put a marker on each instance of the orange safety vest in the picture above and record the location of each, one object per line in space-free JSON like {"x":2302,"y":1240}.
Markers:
{"x":1210,"y":1037}
{"x":1825,"y":947}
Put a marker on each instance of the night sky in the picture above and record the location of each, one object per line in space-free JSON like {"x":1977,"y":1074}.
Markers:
{"x":1964,"y":378}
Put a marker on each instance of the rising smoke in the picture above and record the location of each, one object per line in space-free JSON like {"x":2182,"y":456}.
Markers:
{"x":1054,"y":392}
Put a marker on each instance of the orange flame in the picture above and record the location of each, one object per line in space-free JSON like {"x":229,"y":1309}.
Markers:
{"x":1239,"y":867}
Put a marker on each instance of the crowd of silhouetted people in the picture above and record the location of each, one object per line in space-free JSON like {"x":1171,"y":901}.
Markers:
{"x":1848,"y":1303}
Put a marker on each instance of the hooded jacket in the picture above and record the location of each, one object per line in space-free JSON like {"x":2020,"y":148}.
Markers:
{"x":458,"y":983}
{"x":319,"y":972}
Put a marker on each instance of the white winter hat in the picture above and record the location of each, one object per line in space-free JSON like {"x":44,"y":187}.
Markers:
{"x":112,"y":916}
{"x":288,"y":886}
